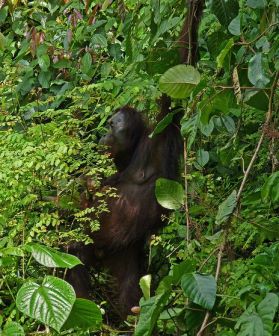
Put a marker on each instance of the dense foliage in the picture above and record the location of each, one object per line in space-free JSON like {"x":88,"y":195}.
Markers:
{"x":66,"y":65}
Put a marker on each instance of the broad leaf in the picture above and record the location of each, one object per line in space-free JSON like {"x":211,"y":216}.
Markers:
{"x":84,"y":314}
{"x":86,"y":63}
{"x":270,"y":190}
{"x":150,"y":312}
{"x":189,"y":129}
{"x":162,"y":124}
{"x":99,"y":40}
{"x":44,"y":62}
{"x":12,"y":329}
{"x":256,"y":73}
{"x":257,"y":321}
{"x":201,"y":289}
{"x":179,"y":81}
{"x":256,"y":3}
{"x":234,"y":26}
{"x":225,"y":10}
{"x":50,"y":257}
{"x":226,"y":208}
{"x":3,"y":42}
{"x":169,"y":193}
{"x":50,"y":303}
{"x":202,"y":158}
{"x":221,"y":57}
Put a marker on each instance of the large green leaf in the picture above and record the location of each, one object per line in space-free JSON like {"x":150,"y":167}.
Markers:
{"x":257,"y":321}
{"x":201,"y":289}
{"x":12,"y":329}
{"x":84,"y":314}
{"x":179,"y":81}
{"x":169,"y":194}
{"x":50,"y":303}
{"x":226,"y":208}
{"x":50,"y":257}
{"x":150,"y":312}
{"x":256,"y":72}
{"x":225,"y":10}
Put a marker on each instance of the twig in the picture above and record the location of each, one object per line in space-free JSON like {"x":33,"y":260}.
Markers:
{"x":267,"y":121}
{"x":259,"y":36}
{"x":217,"y":273}
{"x":221,"y":250}
{"x":186,"y":192}
{"x":252,"y":88}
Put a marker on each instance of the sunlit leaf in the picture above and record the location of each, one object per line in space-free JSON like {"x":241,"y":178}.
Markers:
{"x":84,"y":314}
{"x":145,"y":283}
{"x":169,"y":193}
{"x":179,"y":81}
{"x":12,"y":329}
{"x":50,"y":257}
{"x":50,"y":303}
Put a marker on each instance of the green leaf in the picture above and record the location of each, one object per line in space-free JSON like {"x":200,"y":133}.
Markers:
{"x":202,"y":157}
{"x":234,"y":26}
{"x":50,"y":303}
{"x":179,"y":81}
{"x":84,"y":314}
{"x":221,"y":57}
{"x":169,"y":194}
{"x":256,"y":3}
{"x":44,"y":62}
{"x":86,"y":63}
{"x":257,"y":321}
{"x":189,"y":129}
{"x":3,"y":42}
{"x":225,"y":10}
{"x":207,"y":128}
{"x":3,"y":14}
{"x":162,"y":124}
{"x":150,"y":312}
{"x":13,"y":329}
{"x":50,"y":257}
{"x":99,"y":40}
{"x":271,"y":187}
{"x":145,"y":283}
{"x":256,"y":73}
{"x":44,"y":78}
{"x":226,"y":208}
{"x":201,"y":289}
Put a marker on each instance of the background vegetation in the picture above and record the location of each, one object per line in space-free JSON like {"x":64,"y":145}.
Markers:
{"x":65,"y":66}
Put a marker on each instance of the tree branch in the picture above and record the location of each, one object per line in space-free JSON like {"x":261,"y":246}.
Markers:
{"x":221,"y":250}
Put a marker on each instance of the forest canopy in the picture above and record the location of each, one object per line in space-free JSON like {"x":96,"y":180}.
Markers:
{"x":65,"y":67}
